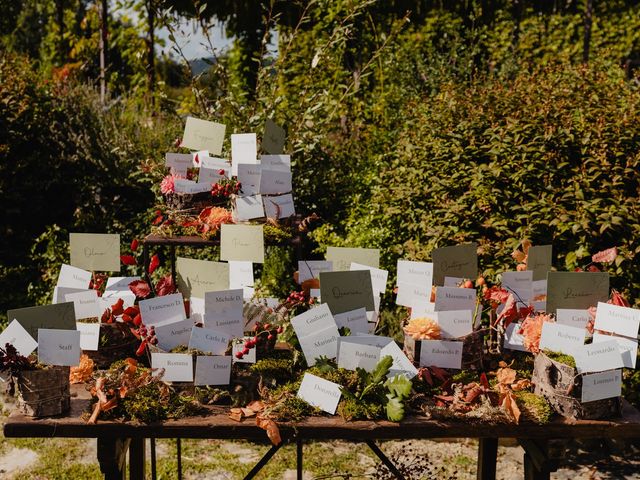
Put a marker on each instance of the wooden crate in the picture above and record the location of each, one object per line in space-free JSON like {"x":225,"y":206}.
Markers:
{"x":44,"y":393}
{"x":561,"y":385}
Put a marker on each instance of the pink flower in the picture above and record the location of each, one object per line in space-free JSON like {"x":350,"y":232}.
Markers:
{"x":166,"y":186}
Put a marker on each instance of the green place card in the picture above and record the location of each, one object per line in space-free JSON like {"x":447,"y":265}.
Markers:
{"x":273,"y":138}
{"x":342,"y":257}
{"x":95,"y":251}
{"x":60,"y":316}
{"x":346,"y":291}
{"x":195,"y":277}
{"x":576,"y":290}
{"x":539,"y":261}
{"x":460,"y":261}
{"x":203,"y":135}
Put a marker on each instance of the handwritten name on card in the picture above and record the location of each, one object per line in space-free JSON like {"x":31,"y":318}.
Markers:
{"x":212,"y":370}
{"x":628,"y":347}
{"x":598,"y":357}
{"x":172,"y":335}
{"x":279,"y":206}
{"x":512,"y":339}
{"x":576,"y":290}
{"x":174,"y":367}
{"x":17,"y":336}
{"x":615,"y":319}
{"x":242,"y":242}
{"x":597,"y":386}
{"x":203,"y":135}
{"x":160,"y":310}
{"x":355,"y":355}
{"x":454,"y":323}
{"x":561,"y":338}
{"x":209,"y":340}
{"x":73,"y":277}
{"x":320,"y":393}
{"x":573,"y":317}
{"x":85,"y":303}
{"x":179,"y":163}
{"x":441,"y":353}
{"x":355,"y":320}
{"x":59,"y":347}
{"x":308,"y":269}
{"x":346,"y":291}
{"x":454,"y":298}
{"x":95,"y":251}
{"x":457,"y":261}
{"x":378,"y":276}
{"x":343,"y":256}
{"x":539,"y":261}
{"x":89,"y":335}
{"x":195,"y":277}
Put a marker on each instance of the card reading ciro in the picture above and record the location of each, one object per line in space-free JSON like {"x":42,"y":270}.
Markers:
{"x":203,"y":135}
{"x":242,"y":242}
{"x":576,"y":290}
{"x":95,"y":251}
{"x":60,"y":316}
{"x":273,"y":138}
{"x":195,"y":277}
{"x":459,"y":261}
{"x":539,"y":260}
{"x":59,"y":347}
{"x":342,"y":257}
{"x":346,"y":291}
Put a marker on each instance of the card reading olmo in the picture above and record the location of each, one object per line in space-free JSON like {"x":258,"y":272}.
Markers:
{"x":95,"y":251}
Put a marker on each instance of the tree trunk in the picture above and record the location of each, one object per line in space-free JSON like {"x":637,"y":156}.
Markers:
{"x":151,"y":58}
{"x":60,"y":17}
{"x":103,"y":49}
{"x":588,"y":22}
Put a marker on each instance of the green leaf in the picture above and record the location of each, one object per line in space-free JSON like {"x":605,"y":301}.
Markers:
{"x":399,"y":386}
{"x":381,"y":371}
{"x":394,"y":408}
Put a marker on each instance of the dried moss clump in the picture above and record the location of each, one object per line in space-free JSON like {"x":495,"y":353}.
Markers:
{"x":534,"y":408}
{"x":351,"y":409}
{"x":561,"y":358}
{"x":291,"y":408}
{"x":279,"y":369}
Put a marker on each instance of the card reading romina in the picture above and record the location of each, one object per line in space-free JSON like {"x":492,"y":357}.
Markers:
{"x":346,"y":291}
{"x":577,"y":290}
{"x":459,"y":261}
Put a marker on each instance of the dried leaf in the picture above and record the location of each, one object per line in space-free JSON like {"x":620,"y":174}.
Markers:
{"x":273,"y":432}
{"x":83,"y":371}
{"x":247,"y":412}
{"x":116,"y":308}
{"x":521,"y":384}
{"x":257,"y":406}
{"x":506,"y":376}
{"x":235,"y":414}
{"x":510,"y":407}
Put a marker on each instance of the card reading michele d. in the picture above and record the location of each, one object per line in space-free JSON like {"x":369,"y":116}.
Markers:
{"x":203,"y":135}
{"x":223,"y":311}
{"x":539,"y":259}
{"x":457,"y":261}
{"x":174,"y":367}
{"x":59,"y":347}
{"x":346,"y":291}
{"x":242,"y":242}
{"x":320,"y":393}
{"x":273,"y":138}
{"x":16,"y":335}
{"x":597,"y":386}
{"x":576,"y":290}
{"x":161,"y":310}
{"x":212,"y":370}
{"x":95,"y":251}
{"x":60,"y":316}
{"x":342,"y":257}
{"x":209,"y":340}
{"x":195,"y":277}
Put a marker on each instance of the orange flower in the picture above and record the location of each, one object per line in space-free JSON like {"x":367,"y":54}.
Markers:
{"x":212,"y":217}
{"x":531,"y":330}
{"x":423,"y":328}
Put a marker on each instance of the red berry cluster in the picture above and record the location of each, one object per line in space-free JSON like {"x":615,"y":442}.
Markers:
{"x":225,"y":188}
{"x":263,"y":333}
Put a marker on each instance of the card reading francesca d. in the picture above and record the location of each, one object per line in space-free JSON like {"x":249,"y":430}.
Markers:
{"x":458,"y":261}
{"x":342,"y":257}
{"x":195,"y":277}
{"x":242,"y":242}
{"x":203,"y":135}
{"x":576,"y":290}
{"x":95,"y":251}
{"x":347,"y":291}
{"x":60,"y":316}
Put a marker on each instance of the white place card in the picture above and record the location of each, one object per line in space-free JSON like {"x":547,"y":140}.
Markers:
{"x":217,"y":164}
{"x":276,"y":162}
{"x":85,"y":304}
{"x":172,"y":335}
{"x":355,"y":355}
{"x":573,"y":317}
{"x":520,"y":284}
{"x":249,"y":176}
{"x":367,"y":339}
{"x":423,"y":309}
{"x":401,"y":364}
{"x":313,"y":321}
{"x":308,"y":269}
{"x":59,"y":347}
{"x":416,"y":273}
{"x":322,"y":343}
{"x":119,"y":284}
{"x":223,"y":311}
{"x":512,"y":339}
{"x":454,"y":298}
{"x":179,"y":163}
{"x":597,"y":357}
{"x":274,"y":182}
{"x":16,"y":335}
{"x":244,"y":149}
{"x":561,"y":338}
{"x":239,"y":347}
{"x":160,"y":310}
{"x":454,"y":323}
{"x":210,"y":176}
{"x":240,"y":274}
{"x":73,"y":277}
{"x":378,"y":276}
{"x":59,"y":293}
{"x":320,"y":393}
{"x":209,"y":340}
{"x":248,"y":208}
{"x":89,"y":335}
{"x":410,"y":294}
{"x":279,"y":206}
{"x":452,"y":281}
{"x":597,"y":386}
{"x":212,"y":370}
{"x":621,"y":320}
{"x":182,"y":185}
{"x":628,"y":347}
{"x":177,"y":367}
{"x":354,"y":320}
{"x":441,"y":353}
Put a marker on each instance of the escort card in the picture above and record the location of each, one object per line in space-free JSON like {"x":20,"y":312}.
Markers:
{"x":179,"y":163}
{"x":72,"y":277}
{"x":354,"y":320}
{"x":378,"y":276}
{"x":85,"y":304}
{"x":203,"y":135}
{"x":455,"y":298}
{"x":182,"y":185}
{"x":89,"y":335}
{"x":59,"y":347}
{"x":355,"y":355}
{"x":59,"y":293}
{"x":209,"y":176}
{"x":312,"y":321}
{"x":281,"y":206}
{"x":458,"y":261}
{"x":216,"y":164}
{"x":273,"y":182}
{"x":240,"y":274}
{"x":454,"y":323}
{"x":223,"y":311}
{"x":342,"y":257}
{"x":452,"y":281}
{"x":273,"y":138}
{"x":243,"y":150}
{"x":162,"y":310}
{"x":120,"y":284}
{"x":95,"y":251}
{"x":248,"y":208}
{"x":628,"y":347}
{"x":520,"y":284}
{"x":401,"y":364}
{"x":539,"y":261}
{"x":410,"y":294}
{"x":539,"y":288}
{"x":561,"y":338}
{"x":195,"y":277}
{"x":239,"y":347}
{"x":423,"y":309}
{"x":374,"y":340}
{"x":60,"y":316}
{"x":174,"y":367}
{"x":346,"y":291}
{"x":172,"y":335}
{"x":249,"y":176}
{"x":320,"y":393}
{"x":573,"y":317}
{"x":597,"y":357}
{"x":576,"y":290}
{"x":441,"y":353}
{"x":322,"y":343}
{"x":512,"y":339}
{"x":416,"y":273}
{"x":17,"y":336}
{"x":212,"y":370}
{"x":276,"y":162}
{"x":308,"y":269}
{"x":242,"y":242}
{"x":598,"y":386}
{"x":615,"y":319}
{"x":209,"y":340}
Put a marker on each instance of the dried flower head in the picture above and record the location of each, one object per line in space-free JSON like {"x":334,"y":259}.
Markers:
{"x":531,"y":330}
{"x":423,"y":328}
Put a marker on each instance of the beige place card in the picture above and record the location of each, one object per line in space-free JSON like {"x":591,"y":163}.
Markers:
{"x":342,"y":257}
{"x":576,"y":290}
{"x":539,"y":259}
{"x":95,"y":251}
{"x":242,"y":243}
{"x":195,"y":277}
{"x":459,"y":261}
{"x":203,"y":135}
{"x":273,"y":138}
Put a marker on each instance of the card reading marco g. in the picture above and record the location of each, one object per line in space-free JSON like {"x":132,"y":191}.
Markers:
{"x":242,"y":242}
{"x":203,"y":135}
{"x":539,"y":261}
{"x":347,"y":291}
{"x":342,"y":257}
{"x":60,"y":316}
{"x":458,"y":261}
{"x":195,"y":277}
{"x":576,"y":290}
{"x":95,"y":251}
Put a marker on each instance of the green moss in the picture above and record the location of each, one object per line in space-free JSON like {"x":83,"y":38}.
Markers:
{"x":292,"y":408}
{"x":352,"y":409}
{"x":561,"y":358}
{"x":534,"y":408}
{"x":276,"y":234}
{"x":279,"y":369}
{"x":465,"y":376}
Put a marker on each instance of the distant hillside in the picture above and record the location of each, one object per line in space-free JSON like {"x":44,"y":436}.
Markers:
{"x":200,"y":65}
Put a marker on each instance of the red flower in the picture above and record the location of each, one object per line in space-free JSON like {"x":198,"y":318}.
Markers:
{"x":605,"y":256}
{"x":140,"y":288}
{"x":128,"y":259}
{"x":134,"y":244}
{"x":132,"y":311}
{"x":165,"y":286}
{"x":116,"y":308}
{"x":153,"y":264}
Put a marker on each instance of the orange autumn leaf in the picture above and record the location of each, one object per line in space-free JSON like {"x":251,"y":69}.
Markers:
{"x":257,"y":406}
{"x":506,"y":376}
{"x":273,"y":432}
{"x":83,"y":371}
{"x":521,"y":384}
{"x":235,"y":414}
{"x":247,"y":412}
{"x":510,"y":406}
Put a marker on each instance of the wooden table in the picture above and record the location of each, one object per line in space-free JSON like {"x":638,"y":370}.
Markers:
{"x":116,"y":438}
